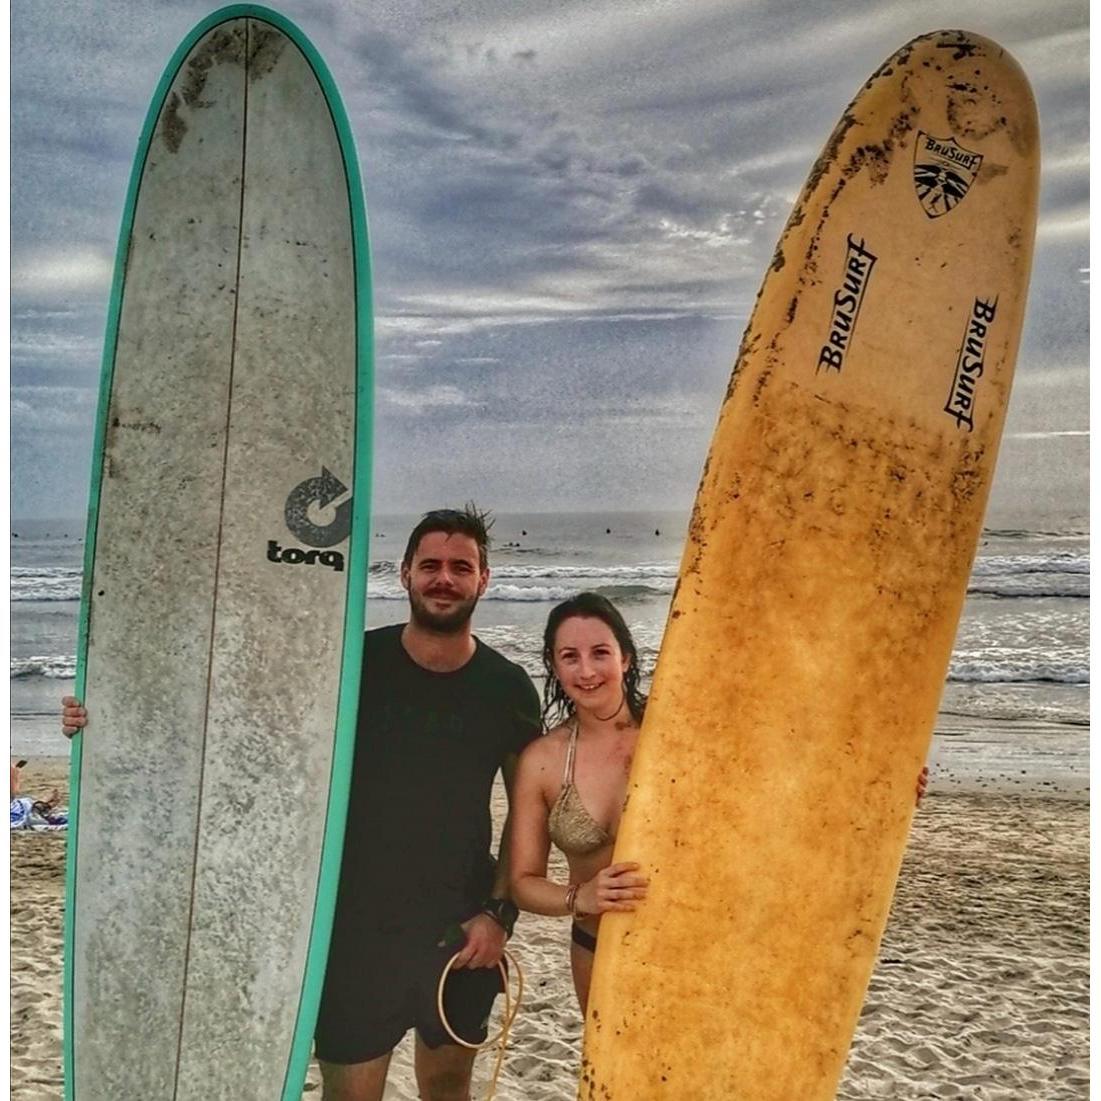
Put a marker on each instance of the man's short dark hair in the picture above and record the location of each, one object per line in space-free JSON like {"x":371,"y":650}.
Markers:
{"x":469,"y":520}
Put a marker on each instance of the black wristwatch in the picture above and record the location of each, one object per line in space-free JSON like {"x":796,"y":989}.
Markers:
{"x":503,"y":911}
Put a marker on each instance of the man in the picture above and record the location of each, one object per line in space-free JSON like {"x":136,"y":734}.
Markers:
{"x":440,"y":713}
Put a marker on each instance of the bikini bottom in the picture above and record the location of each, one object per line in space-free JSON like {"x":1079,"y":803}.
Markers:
{"x":583,"y":938}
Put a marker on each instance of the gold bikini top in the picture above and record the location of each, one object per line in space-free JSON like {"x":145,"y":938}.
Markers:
{"x":571,"y":827}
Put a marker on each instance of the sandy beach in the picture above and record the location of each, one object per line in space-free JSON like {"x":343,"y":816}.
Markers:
{"x":981,"y":991}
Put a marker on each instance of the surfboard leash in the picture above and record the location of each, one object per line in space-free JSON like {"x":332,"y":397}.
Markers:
{"x":511,"y":1009}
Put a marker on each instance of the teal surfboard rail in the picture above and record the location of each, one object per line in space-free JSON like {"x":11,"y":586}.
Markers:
{"x":358,"y":550}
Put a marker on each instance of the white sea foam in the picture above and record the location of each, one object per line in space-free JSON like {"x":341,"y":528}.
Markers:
{"x":639,"y":589}
{"x":1052,"y":575}
{"x":1036,"y":576}
{"x":1063,"y":562}
{"x":1011,"y":668}
{"x":615,"y":573}
{"x":59,"y":667}
{"x":45,"y":583}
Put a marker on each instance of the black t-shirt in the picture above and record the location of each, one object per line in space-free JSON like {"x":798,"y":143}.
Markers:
{"x":428,"y":746}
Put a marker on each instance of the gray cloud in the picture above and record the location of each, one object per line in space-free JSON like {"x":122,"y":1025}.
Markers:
{"x":571,"y":210}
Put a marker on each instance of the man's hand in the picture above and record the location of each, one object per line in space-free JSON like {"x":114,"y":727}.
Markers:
{"x":73,"y":716}
{"x":485,"y":942}
{"x":922,"y":784}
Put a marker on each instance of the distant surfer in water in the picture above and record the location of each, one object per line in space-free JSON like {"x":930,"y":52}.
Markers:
{"x":441,"y":713}
{"x":571,"y":784}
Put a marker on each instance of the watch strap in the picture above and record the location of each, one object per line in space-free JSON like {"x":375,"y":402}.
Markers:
{"x":503,"y":911}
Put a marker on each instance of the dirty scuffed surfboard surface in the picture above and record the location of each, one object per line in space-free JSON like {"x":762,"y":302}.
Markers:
{"x":222,"y":622}
{"x":821,"y":586}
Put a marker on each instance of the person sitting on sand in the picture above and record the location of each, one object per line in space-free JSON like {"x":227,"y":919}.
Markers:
{"x":572,"y":783}
{"x":33,"y":814}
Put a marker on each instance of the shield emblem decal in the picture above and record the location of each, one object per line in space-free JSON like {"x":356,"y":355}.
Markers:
{"x":943,"y":172}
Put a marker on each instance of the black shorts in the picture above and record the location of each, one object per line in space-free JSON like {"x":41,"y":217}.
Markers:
{"x":385,"y":984}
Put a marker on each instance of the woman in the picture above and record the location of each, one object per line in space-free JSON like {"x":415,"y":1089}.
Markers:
{"x":571,"y":784}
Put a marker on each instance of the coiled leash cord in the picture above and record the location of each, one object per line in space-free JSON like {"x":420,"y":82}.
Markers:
{"x":511,"y":1009}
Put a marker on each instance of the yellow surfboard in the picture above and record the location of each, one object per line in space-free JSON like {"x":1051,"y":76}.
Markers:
{"x":821,"y":586}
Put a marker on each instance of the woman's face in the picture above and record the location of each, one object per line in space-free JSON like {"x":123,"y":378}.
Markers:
{"x":589,"y":664}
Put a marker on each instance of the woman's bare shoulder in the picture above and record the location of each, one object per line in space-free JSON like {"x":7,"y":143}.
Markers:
{"x":546,"y":751}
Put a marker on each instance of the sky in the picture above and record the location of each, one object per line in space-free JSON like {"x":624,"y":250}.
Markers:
{"x":571,"y":205}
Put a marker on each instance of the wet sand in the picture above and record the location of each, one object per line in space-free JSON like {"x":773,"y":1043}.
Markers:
{"x":981,"y":991}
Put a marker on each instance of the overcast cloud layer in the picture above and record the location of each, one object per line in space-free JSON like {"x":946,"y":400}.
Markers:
{"x":572,"y":206}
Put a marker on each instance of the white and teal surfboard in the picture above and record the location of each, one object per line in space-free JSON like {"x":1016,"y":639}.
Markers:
{"x":224,"y":582}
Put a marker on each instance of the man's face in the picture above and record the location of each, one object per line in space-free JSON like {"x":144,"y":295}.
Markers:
{"x":444,"y":581}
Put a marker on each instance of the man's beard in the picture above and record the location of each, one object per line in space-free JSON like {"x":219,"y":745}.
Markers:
{"x":441,"y":623}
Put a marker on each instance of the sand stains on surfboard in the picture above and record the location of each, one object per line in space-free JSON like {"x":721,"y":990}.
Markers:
{"x":823,"y":575}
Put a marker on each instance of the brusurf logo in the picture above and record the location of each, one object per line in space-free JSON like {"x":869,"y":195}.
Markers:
{"x":970,"y":364}
{"x":943,"y":172}
{"x":846,"y":303}
{"x":315,"y":493}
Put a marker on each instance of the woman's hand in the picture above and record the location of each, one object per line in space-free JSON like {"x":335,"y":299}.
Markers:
{"x":922,"y":784}
{"x":615,"y":887}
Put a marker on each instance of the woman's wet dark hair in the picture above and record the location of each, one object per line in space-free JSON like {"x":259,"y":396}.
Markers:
{"x":557,"y":706}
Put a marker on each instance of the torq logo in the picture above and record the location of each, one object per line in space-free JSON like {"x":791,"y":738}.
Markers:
{"x":318,"y":492}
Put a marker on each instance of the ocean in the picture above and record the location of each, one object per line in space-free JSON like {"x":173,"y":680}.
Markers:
{"x":1015,"y":709}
